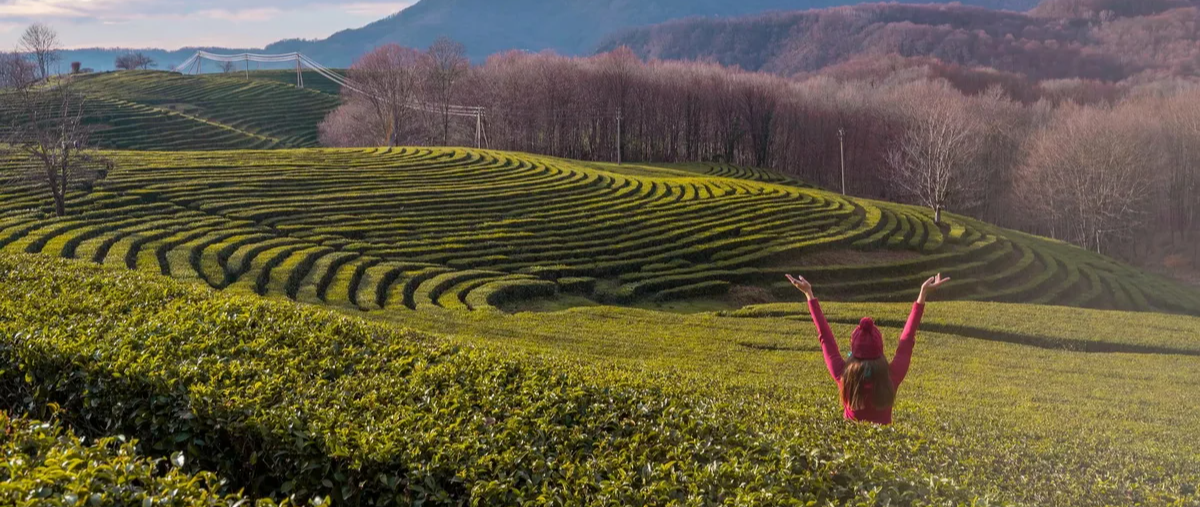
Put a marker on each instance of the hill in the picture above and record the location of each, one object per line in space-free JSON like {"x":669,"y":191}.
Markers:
{"x":152,"y":110}
{"x":706,"y":407}
{"x":1056,"y":44}
{"x":414,"y":228}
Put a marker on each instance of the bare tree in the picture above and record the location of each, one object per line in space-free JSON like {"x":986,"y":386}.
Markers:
{"x":1002,"y":138}
{"x":135,"y":61}
{"x":759,"y":101}
{"x":389,"y":79}
{"x":227,"y":67}
{"x":41,"y":43}
{"x":49,"y":133}
{"x":16,"y":72}
{"x":1180,"y":204}
{"x":355,"y":123}
{"x":932,"y":161}
{"x":447,"y":62}
{"x":1090,"y":174}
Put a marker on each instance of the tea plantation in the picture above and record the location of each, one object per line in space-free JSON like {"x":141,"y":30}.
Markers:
{"x":1045,"y":374}
{"x":413,"y":228}
{"x":163,"y":111}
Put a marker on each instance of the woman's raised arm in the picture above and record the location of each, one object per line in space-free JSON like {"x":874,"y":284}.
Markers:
{"x":908,"y":339}
{"x":829,"y":347}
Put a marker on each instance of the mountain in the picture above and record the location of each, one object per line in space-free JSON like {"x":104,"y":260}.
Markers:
{"x":486,"y":27}
{"x":103,"y":59}
{"x":1106,"y":42}
{"x":572,"y":27}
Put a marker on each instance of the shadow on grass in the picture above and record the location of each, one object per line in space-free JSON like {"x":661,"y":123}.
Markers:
{"x":1044,"y":342}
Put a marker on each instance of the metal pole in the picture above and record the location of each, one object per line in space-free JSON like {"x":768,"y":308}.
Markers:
{"x":478,"y":128}
{"x":842,"y":147}
{"x":619,"y":137}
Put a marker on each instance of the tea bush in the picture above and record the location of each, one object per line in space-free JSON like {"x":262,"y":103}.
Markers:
{"x":46,"y":465}
{"x":294,"y":402}
{"x":466,"y":229}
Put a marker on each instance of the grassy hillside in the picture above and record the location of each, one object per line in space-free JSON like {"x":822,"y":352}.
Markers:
{"x":444,"y":397}
{"x":163,"y":111}
{"x":312,"y":79}
{"x":286,"y":401}
{"x":602,"y":404}
{"x":416,"y":228}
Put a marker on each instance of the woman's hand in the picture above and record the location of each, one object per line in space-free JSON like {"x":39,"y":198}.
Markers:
{"x":803,"y":285}
{"x":931,"y":285}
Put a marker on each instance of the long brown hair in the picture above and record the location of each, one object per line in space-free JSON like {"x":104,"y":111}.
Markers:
{"x":858,"y":374}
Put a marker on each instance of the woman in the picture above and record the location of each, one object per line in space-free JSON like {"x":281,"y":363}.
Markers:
{"x":866,"y":381}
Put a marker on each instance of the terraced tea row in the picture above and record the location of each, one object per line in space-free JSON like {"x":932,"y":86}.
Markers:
{"x":273,"y":109}
{"x":313,"y":80}
{"x":163,"y":111}
{"x":427,"y":228}
{"x":128,"y":125}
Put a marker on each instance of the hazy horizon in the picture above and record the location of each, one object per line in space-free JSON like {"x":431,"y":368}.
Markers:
{"x":174,"y":24}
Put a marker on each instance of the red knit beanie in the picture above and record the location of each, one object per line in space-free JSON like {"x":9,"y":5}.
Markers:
{"x":866,"y":343}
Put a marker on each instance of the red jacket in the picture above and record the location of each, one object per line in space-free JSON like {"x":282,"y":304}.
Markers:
{"x":837,"y":365}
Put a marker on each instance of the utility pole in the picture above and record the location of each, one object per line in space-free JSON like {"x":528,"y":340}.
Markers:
{"x":479,"y":128}
{"x":619,"y":137}
{"x":842,"y":146}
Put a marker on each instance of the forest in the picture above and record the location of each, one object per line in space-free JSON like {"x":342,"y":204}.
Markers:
{"x":1109,"y":40}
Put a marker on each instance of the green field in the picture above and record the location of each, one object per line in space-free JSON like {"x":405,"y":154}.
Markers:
{"x":412,"y":228}
{"x":312,"y":79}
{"x":593,"y":311}
{"x":163,"y":111}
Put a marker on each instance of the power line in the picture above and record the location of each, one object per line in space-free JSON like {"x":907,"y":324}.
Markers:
{"x":476,"y":112}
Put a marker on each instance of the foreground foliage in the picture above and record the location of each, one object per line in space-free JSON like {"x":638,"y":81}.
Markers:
{"x":46,"y":465}
{"x":1029,"y":404}
{"x":288,"y":401}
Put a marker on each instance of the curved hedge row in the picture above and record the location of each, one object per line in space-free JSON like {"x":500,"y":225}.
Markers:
{"x":165,"y":111}
{"x":123,"y":124}
{"x":419,"y":228}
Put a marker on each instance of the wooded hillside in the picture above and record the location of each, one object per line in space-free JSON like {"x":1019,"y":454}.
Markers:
{"x":1097,"y":39}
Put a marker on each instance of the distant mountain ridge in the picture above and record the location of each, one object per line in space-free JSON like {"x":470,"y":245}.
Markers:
{"x":1104,"y":44}
{"x":486,"y":27}
{"x":102,"y":59}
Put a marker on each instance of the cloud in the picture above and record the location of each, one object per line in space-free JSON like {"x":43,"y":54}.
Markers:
{"x":259,"y":14}
{"x":376,"y":9}
{"x":233,"y":10}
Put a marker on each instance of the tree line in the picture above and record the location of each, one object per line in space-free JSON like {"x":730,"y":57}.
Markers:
{"x":1112,"y":170}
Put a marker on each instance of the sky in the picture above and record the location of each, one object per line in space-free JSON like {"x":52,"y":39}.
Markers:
{"x":171,"y":24}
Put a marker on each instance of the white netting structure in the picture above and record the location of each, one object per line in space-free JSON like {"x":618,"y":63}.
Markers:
{"x":196,"y":62}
